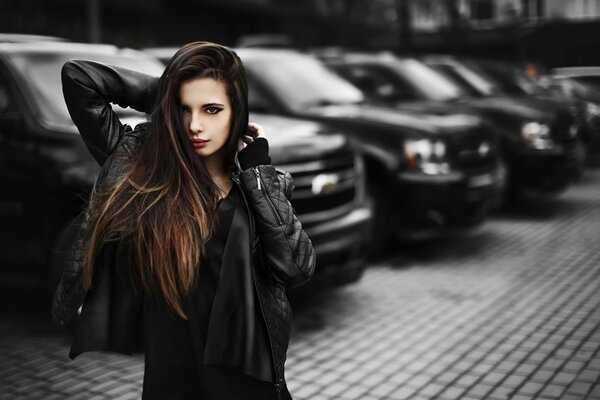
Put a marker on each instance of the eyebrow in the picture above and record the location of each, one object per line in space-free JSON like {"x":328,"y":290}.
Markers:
{"x":213,"y":105}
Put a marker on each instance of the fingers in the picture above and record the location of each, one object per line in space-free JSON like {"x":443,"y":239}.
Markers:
{"x":255,"y":130}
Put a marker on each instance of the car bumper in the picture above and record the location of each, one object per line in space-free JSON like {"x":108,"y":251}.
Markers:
{"x":548,"y":171}
{"x":340,"y":244}
{"x":428,"y":205}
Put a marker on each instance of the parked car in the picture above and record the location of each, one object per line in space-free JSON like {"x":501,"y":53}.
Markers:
{"x":27,"y":38}
{"x":580,"y":85}
{"x":428,"y":174}
{"x":512,"y":79}
{"x":47,"y":172}
{"x":540,"y":135}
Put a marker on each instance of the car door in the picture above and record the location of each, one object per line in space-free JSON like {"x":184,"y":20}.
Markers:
{"x":19,"y":184}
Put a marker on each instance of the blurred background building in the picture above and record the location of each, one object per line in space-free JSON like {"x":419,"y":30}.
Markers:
{"x":554,"y":32}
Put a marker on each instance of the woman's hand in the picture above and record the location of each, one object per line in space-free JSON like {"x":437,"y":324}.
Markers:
{"x":254,"y":131}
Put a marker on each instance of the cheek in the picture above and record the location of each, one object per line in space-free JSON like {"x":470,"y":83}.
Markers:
{"x":226,"y":125}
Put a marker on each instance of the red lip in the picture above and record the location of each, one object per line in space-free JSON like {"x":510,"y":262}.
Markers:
{"x":197,"y":143}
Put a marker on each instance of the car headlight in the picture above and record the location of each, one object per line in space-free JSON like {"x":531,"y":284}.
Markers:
{"x":537,"y":135}
{"x":592,"y":110}
{"x":427,"y":156}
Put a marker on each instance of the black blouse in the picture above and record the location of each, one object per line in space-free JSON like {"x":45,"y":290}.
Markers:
{"x":224,"y":341}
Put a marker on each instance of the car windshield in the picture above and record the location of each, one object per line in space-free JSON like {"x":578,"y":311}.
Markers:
{"x":397,"y":82}
{"x":303,"y":82}
{"x":431,"y":84}
{"x":469,"y":78}
{"x":40,"y":71}
{"x":509,"y":80}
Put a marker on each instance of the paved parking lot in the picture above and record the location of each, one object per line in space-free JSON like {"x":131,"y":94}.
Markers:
{"x":511,"y":311}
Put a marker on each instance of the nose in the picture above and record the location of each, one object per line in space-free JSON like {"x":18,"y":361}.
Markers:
{"x":196,"y":125}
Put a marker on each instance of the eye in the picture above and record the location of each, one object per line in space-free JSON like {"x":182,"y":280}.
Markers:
{"x":212,"y":110}
{"x":185,"y":109}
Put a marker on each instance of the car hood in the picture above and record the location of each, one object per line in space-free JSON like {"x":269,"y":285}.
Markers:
{"x":417,"y":120}
{"x":517,"y":107}
{"x":290,"y":140}
{"x":293,"y":140}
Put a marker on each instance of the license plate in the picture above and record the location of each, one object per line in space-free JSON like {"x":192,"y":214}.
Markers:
{"x":481,"y":180}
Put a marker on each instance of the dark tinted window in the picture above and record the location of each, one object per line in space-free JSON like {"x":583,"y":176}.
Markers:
{"x":302,"y":82}
{"x":589,"y":80}
{"x":378,"y":83}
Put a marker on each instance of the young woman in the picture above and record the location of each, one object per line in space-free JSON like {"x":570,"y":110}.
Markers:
{"x":189,"y":240}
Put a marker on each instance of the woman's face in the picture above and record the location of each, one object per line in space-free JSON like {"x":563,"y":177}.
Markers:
{"x":206,"y":115}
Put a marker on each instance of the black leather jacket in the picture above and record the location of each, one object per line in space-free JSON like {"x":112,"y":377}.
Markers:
{"x":281,"y":256}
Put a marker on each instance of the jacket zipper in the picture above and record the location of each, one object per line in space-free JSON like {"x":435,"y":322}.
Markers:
{"x":257,"y":173}
{"x":269,"y":200}
{"x":277,"y":384}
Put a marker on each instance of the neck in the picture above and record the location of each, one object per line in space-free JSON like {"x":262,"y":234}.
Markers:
{"x":215,"y":166}
{"x":219,"y":174}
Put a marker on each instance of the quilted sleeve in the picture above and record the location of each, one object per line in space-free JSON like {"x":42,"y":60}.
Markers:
{"x":287,"y":248}
{"x":69,"y":294}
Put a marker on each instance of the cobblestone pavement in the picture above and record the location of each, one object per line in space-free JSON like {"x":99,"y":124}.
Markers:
{"x":511,"y":311}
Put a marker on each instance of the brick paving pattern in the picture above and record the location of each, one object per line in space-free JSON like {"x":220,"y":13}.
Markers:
{"x":511,"y":311}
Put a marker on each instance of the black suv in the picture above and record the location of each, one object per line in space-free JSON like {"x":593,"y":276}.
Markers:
{"x":47,"y":173}
{"x":581,"y":86}
{"x":540,"y":135}
{"x":427,"y":173}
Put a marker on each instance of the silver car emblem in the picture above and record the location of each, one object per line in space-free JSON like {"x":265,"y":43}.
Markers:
{"x":324,"y":183}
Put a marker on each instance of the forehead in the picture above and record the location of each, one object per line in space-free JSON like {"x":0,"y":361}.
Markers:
{"x":203,"y":90}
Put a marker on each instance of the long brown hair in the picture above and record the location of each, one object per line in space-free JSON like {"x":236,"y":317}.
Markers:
{"x":164,"y":203}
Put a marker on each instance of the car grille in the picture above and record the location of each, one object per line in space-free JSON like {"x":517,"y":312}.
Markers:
{"x":472,"y":150}
{"x":326,"y":187}
{"x":563,"y":129}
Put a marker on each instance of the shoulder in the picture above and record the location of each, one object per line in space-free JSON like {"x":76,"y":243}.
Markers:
{"x":119,"y":161}
{"x":286,"y":181}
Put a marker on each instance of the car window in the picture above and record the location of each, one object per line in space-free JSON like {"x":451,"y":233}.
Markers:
{"x":5,"y":101}
{"x":470,"y":80}
{"x":377,"y":82}
{"x":40,"y":72}
{"x":593,"y":81}
{"x":303,"y":82}
{"x":257,"y":100}
{"x":508,"y":80}
{"x":430,"y":84}
{"x":451,"y":73}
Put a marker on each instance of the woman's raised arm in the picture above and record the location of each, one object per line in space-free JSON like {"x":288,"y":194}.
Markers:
{"x":89,"y":87}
